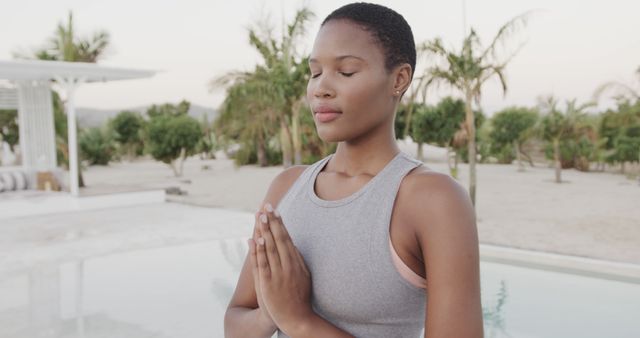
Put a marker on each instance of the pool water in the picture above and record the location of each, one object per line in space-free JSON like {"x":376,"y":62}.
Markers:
{"x":183,"y":291}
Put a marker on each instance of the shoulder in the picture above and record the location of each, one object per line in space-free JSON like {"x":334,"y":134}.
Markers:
{"x":282,"y":182}
{"x":431,"y":201}
{"x":440,"y":212}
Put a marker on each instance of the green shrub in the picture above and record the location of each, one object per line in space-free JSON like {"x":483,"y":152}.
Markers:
{"x":96,"y":146}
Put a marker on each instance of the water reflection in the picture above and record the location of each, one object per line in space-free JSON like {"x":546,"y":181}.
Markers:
{"x":43,"y":314}
{"x":234,"y":253}
{"x":493,"y":315}
{"x":183,"y":291}
{"x":177,"y":291}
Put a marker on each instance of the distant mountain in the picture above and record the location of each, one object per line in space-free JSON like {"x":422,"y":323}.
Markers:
{"x":91,"y":117}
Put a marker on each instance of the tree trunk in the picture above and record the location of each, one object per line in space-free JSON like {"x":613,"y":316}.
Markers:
{"x":527,"y":157}
{"x":556,"y":156}
{"x":130,"y":152}
{"x":173,"y":168}
{"x":183,"y":158}
{"x":295,"y":130}
{"x":261,"y":151}
{"x":80,"y":178}
{"x":285,"y":141}
{"x":178,"y":164}
{"x":456,"y":160}
{"x":412,"y":100}
{"x":420,"y":152}
{"x":518,"y":156}
{"x":408,"y":118}
{"x":471,"y":132}
{"x":453,"y":167}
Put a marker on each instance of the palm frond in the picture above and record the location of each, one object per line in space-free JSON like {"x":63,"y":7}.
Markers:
{"x":491,"y":70}
{"x":266,"y":46}
{"x":298,"y":27}
{"x":228,"y":79}
{"x":90,"y":50}
{"x":619,"y":88}
{"x":507,"y":30}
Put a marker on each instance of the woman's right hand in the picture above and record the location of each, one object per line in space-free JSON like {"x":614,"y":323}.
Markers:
{"x":263,"y":314}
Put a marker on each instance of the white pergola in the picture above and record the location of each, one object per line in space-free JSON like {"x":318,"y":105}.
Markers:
{"x":32,"y":98}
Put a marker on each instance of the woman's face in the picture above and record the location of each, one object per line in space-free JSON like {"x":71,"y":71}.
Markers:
{"x":350,"y":92}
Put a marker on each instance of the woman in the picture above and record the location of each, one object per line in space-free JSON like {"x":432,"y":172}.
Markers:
{"x":341,"y":247}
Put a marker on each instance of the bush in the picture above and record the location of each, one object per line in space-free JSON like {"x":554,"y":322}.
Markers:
{"x":127,"y":132}
{"x":96,"y":146}
{"x":170,"y":137}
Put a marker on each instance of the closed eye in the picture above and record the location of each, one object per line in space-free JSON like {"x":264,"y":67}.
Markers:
{"x":313,"y":76}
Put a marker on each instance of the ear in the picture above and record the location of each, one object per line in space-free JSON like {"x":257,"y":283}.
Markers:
{"x":402,"y":79}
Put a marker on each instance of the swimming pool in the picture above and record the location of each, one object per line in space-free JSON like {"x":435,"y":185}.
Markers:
{"x":183,"y":290}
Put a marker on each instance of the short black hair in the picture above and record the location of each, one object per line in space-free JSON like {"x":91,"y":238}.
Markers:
{"x":388,"y":27}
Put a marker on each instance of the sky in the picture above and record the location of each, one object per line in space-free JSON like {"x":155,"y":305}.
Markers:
{"x":570,"y":47}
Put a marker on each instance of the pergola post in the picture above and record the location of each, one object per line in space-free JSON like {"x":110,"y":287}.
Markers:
{"x":70,"y":85}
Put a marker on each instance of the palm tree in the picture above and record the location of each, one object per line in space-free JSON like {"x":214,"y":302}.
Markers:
{"x":557,"y":126}
{"x":248,"y":113}
{"x":624,"y":94}
{"x":467,"y":70}
{"x":65,"y":45}
{"x":286,"y":75}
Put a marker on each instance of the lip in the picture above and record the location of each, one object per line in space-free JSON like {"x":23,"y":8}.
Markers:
{"x":325,"y":114}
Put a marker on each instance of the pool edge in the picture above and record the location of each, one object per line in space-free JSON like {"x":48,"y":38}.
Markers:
{"x":624,"y":272}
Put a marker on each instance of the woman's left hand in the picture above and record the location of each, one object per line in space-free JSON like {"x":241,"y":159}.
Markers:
{"x":285,"y":281}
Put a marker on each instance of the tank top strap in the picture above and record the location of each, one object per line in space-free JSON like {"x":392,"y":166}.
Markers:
{"x":300,"y":183}
{"x":387,"y":185}
{"x":383,"y":198}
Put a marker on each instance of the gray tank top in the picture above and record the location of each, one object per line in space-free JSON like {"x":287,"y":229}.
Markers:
{"x":345,"y":244}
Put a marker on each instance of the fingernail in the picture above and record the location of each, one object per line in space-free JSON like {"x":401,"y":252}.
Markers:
{"x":276,"y":213}
{"x":269,"y":207}
{"x":261,"y":241}
{"x":263,"y":218}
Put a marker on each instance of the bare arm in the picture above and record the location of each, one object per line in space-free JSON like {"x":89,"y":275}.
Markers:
{"x":444,"y":219}
{"x":243,"y":317}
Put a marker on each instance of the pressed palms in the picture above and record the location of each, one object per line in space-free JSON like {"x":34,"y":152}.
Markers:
{"x":467,"y":70}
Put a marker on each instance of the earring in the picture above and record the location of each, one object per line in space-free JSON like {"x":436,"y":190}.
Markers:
{"x":397,"y":92}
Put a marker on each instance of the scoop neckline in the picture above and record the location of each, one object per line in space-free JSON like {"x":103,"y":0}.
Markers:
{"x":335,"y":203}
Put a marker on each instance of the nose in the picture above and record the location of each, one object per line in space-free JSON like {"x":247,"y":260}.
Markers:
{"x":321,"y":89}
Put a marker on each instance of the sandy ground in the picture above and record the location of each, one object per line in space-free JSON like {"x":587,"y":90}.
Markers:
{"x":594,"y":215}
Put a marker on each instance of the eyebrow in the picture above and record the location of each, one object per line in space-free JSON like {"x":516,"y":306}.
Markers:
{"x":339,"y":58}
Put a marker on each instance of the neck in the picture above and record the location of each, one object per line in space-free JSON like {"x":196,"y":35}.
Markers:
{"x":367,"y":154}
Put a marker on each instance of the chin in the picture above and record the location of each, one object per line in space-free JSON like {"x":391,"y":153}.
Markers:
{"x":329,"y":135}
